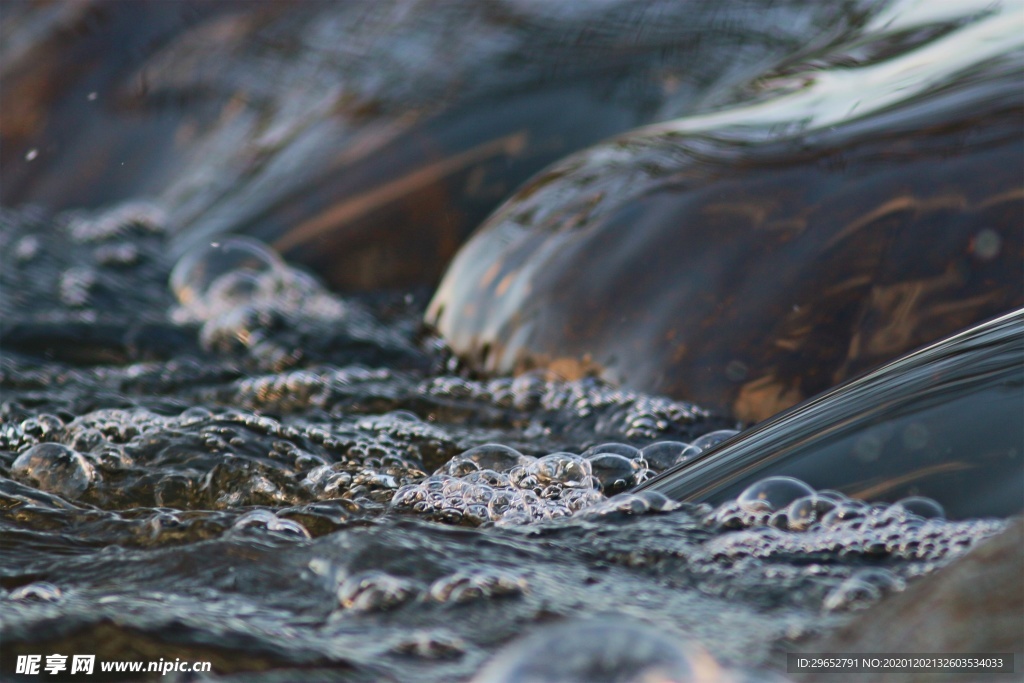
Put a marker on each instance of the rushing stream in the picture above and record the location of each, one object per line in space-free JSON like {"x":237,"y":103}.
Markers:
{"x":209,"y":454}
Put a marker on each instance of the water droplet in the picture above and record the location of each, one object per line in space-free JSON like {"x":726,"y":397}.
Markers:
{"x":987,"y":244}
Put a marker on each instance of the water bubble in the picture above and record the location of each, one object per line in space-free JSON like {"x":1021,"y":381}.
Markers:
{"x":264,"y":519}
{"x":580,"y":499}
{"x":42,"y":591}
{"x":882,"y":579}
{"x":807,"y":510}
{"x":407,"y":496}
{"x":477,"y":494}
{"x":845,"y":512}
{"x":488,"y":477}
{"x":430,"y":645}
{"x":614,"y":472}
{"x":916,"y":436}
{"x":853,"y":593}
{"x":773,"y":494}
{"x":623,"y":449}
{"x":493,"y":456}
{"x":633,"y":504}
{"x":465,"y":586}
{"x":868,"y":448}
{"x":402,"y":416}
{"x":712,"y":439}
{"x":922,"y":507}
{"x":375,"y":592}
{"x":987,"y":244}
{"x":458,"y":467}
{"x":604,"y":649}
{"x":42,"y":425}
{"x":567,"y":469}
{"x":227,"y":272}
{"x":662,"y":455}
{"x":27,"y":248}
{"x":55,"y":468}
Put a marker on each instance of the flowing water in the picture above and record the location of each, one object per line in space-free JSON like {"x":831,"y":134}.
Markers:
{"x":245,"y":469}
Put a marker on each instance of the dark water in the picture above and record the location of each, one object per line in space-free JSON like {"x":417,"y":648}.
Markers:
{"x":207,"y":455}
{"x":243,"y":479}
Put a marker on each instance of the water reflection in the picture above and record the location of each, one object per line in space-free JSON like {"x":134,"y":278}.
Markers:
{"x":943,"y":423}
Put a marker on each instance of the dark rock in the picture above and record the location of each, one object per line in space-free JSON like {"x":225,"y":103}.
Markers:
{"x":751,"y":259}
{"x":365,"y":139}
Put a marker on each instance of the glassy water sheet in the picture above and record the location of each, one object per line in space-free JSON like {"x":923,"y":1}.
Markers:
{"x":244,"y":469}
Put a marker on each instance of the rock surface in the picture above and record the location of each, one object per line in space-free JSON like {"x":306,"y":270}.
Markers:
{"x":975,"y":605}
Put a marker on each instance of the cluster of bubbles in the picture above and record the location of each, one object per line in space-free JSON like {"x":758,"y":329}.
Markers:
{"x":112,"y":225}
{"x":338,"y":425}
{"x":779,"y":518}
{"x":603,"y":408}
{"x":497,"y":483}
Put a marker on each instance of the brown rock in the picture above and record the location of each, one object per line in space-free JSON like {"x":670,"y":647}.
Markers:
{"x":976,"y":606}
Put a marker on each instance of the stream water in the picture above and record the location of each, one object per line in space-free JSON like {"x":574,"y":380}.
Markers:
{"x":245,"y":469}
{"x":209,"y":454}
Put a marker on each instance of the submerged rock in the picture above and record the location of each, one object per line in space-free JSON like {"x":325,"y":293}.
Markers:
{"x":754,"y":257}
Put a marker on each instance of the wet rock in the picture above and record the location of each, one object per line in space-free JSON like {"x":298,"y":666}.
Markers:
{"x":755,"y":257}
{"x":363,"y":139}
{"x":973,"y":606}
